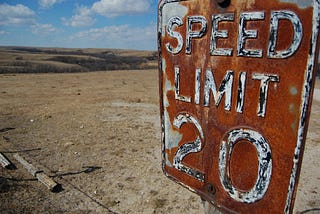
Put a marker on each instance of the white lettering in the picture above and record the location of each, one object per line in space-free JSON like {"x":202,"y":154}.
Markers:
{"x":195,"y":34}
{"x":197,"y":86}
{"x":274,"y":26}
{"x":243,"y":34}
{"x":248,"y":34}
{"x":241,"y":89}
{"x":177,"y":85}
{"x":188,"y":148}
{"x":174,"y":21}
{"x":225,"y":88}
{"x":264,"y":165}
{"x":220,"y":34}
{"x":265,"y":79}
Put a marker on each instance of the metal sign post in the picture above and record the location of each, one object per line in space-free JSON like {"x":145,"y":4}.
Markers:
{"x":236,"y":84}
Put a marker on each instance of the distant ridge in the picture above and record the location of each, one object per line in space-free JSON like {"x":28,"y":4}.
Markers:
{"x":18,"y":59}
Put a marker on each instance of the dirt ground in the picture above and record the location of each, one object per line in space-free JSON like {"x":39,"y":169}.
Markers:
{"x":98,"y":135}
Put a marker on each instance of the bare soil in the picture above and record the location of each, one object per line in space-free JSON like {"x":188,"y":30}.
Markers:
{"x":98,"y":135}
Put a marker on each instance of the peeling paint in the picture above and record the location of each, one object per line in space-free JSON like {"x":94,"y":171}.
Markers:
{"x":292,"y":108}
{"x":300,"y":3}
{"x":241,"y":91}
{"x":195,"y":34}
{"x":248,"y":3}
{"x":215,"y":33}
{"x":306,"y":93}
{"x":293,"y":91}
{"x":172,"y":138}
{"x":225,"y":88}
{"x":246,"y":60}
{"x":188,"y":148}
{"x":163,"y":66}
{"x":197,"y":86}
{"x":168,"y":87}
{"x":264,"y":85}
{"x":170,"y":10}
{"x":264,"y":165}
{"x":298,"y":33}
{"x":177,"y":87}
{"x":168,"y":163}
{"x":244,"y":34}
{"x":174,"y":21}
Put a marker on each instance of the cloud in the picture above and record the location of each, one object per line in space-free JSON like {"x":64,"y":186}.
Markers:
{"x":120,"y":36}
{"x":16,"y":15}
{"x":48,"y":3}
{"x":109,"y":8}
{"x":2,"y":32}
{"x":112,"y":8}
{"x":43,"y":29}
{"x":82,"y":18}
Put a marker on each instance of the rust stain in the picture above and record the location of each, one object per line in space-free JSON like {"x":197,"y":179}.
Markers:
{"x":241,"y":73}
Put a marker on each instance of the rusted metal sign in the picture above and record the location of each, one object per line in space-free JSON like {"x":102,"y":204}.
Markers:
{"x":236,"y":83}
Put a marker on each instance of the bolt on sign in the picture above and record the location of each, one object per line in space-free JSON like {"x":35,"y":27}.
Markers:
{"x":236,"y":85}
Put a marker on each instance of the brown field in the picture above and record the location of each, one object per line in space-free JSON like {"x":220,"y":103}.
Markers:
{"x":67,"y":60}
{"x":98,"y":135}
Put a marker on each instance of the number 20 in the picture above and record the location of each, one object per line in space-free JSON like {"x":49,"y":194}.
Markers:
{"x":233,"y":136}
{"x":185,"y":149}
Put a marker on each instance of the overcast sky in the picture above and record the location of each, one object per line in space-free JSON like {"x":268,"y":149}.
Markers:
{"x":125,"y":24}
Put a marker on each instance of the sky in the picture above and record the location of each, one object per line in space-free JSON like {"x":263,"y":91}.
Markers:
{"x":123,"y":24}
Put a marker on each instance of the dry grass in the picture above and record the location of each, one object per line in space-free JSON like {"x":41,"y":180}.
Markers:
{"x":67,"y":60}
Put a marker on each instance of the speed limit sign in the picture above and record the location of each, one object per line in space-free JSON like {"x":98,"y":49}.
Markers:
{"x":236,"y":84}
